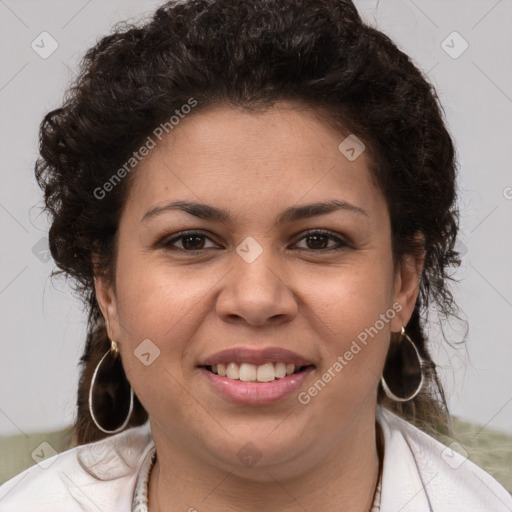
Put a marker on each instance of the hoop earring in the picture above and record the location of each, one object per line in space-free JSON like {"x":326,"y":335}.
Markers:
{"x":403,"y":365}
{"x":115,"y":351}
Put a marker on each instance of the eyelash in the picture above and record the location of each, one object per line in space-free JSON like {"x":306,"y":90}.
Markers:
{"x":168,"y":244}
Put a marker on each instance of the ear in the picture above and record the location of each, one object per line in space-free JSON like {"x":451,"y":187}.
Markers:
{"x":407,"y":285}
{"x":105,"y":295}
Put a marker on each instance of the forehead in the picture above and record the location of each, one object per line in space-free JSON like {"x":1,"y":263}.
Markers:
{"x":258,"y":162}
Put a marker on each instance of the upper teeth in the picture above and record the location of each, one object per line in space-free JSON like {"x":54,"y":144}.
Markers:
{"x":250,"y":372}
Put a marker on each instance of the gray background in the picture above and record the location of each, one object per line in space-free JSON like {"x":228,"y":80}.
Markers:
{"x":43,"y":326}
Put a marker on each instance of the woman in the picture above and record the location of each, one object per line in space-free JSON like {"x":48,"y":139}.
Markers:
{"x":256,"y":200}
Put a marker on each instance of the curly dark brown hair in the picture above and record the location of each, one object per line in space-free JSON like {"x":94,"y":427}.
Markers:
{"x":250,"y":54}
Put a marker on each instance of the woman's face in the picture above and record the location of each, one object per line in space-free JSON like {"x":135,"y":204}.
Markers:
{"x":256,"y":283}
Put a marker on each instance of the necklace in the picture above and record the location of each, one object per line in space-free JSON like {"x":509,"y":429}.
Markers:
{"x":141,"y":493}
{"x":375,"y":507}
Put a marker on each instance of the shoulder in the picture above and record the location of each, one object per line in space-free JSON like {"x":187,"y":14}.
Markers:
{"x":95,"y":476}
{"x":420,"y":473}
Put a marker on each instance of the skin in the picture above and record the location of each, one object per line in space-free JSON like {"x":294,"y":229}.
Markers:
{"x":294,"y":296}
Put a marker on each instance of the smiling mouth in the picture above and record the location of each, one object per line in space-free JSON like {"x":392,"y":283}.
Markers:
{"x":248,"y":372}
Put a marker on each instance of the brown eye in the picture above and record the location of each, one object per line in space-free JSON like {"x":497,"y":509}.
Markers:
{"x":318,"y":241}
{"x":193,"y":242}
{"x":190,"y":242}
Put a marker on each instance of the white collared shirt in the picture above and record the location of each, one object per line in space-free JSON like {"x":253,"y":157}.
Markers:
{"x":419,"y":475}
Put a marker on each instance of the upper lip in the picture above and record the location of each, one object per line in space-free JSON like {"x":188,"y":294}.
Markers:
{"x":256,"y":356}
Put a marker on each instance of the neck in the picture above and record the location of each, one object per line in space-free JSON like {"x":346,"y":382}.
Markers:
{"x":348,"y":475}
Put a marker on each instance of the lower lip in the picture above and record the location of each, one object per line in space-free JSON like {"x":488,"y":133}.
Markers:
{"x":255,"y":393}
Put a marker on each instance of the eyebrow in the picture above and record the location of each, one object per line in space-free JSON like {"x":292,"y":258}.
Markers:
{"x":292,"y":214}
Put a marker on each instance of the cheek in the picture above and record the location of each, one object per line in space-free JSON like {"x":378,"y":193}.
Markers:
{"x":351,"y":297}
{"x":160,"y":310}
{"x":354,"y":309}
{"x":154,"y":300}
{"x":157,"y":311}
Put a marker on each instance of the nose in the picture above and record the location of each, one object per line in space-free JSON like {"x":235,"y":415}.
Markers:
{"x":256,"y":293}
